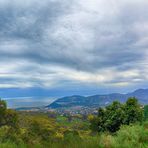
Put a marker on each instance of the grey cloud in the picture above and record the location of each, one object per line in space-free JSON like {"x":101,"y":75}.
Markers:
{"x":65,"y":34}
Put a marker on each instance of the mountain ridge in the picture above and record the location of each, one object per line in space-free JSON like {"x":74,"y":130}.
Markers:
{"x":99,"y":100}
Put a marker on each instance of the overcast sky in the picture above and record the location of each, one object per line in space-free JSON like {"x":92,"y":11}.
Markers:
{"x":74,"y":46}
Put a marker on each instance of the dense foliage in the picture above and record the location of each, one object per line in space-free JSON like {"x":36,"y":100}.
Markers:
{"x":146,"y":112}
{"x":51,"y":130}
{"x":7,"y":116}
{"x":113,"y":116}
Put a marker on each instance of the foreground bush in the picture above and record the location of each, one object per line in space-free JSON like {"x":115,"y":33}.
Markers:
{"x":133,"y":136}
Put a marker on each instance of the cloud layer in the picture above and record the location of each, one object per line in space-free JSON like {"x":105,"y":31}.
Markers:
{"x":68,"y":43}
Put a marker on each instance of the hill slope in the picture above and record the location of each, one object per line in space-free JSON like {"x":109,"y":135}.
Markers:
{"x":99,"y":100}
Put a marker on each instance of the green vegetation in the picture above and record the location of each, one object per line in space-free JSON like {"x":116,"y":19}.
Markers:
{"x":116,"y":126}
{"x":113,"y":116}
{"x":146,"y":112}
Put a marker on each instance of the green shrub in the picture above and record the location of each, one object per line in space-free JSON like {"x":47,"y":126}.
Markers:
{"x":134,"y":136}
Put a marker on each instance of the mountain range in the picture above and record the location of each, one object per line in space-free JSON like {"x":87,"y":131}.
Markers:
{"x":98,"y":100}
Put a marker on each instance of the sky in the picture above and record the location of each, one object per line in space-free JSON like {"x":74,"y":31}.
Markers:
{"x":56,"y":48}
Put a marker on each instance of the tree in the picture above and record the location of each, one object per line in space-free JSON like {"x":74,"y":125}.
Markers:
{"x":3,"y":107}
{"x":116,"y":114}
{"x":98,"y":123}
{"x":7,"y":116}
{"x":11,"y":118}
{"x":133,"y":111}
{"x":146,"y":112}
{"x":109,"y":119}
